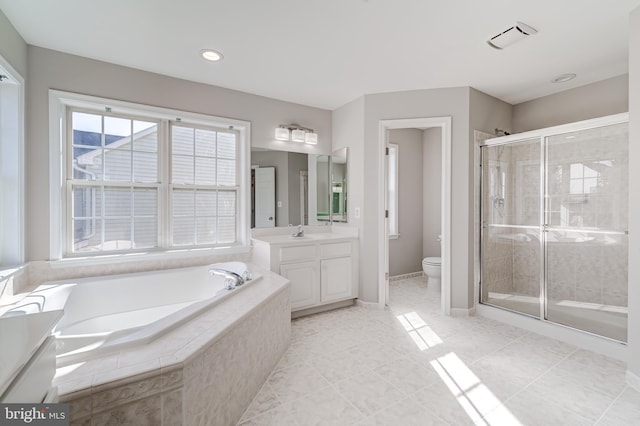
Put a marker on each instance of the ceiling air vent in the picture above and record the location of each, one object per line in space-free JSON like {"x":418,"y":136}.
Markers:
{"x":509,"y":36}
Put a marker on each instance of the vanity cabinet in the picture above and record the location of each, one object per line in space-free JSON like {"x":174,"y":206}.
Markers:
{"x":322,"y":271}
{"x":335,"y":279}
{"x":305,"y":289}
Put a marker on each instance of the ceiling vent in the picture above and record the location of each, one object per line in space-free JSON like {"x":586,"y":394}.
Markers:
{"x":511,"y":35}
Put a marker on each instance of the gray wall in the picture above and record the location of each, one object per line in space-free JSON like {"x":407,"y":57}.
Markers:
{"x":634,"y":201}
{"x":581,"y":103}
{"x":54,"y":70}
{"x":12,"y":47}
{"x":297,"y":163}
{"x":485,"y":114}
{"x":348,"y":131}
{"x":405,"y":252}
{"x":431,"y":192}
{"x":453,"y":102}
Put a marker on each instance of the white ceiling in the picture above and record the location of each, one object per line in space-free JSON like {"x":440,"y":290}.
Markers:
{"x":325,"y":53}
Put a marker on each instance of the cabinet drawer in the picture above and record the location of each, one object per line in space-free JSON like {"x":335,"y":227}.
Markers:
{"x":335,"y":249}
{"x":288,"y":254}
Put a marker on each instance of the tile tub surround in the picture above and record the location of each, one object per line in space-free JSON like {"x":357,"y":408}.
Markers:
{"x":204,"y":372}
{"x":10,"y":280}
{"x":410,"y":365}
{"x":17,"y":282}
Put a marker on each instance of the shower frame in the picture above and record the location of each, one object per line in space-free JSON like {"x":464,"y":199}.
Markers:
{"x":543,"y":227}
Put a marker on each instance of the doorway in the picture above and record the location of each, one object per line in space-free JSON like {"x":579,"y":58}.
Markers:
{"x":444,"y":123}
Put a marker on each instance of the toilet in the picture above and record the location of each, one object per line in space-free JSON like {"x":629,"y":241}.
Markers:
{"x":431,"y":267}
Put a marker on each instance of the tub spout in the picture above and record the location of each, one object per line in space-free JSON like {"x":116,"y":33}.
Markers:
{"x":232,"y":280}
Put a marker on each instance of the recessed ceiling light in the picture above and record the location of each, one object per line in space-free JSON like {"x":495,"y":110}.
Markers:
{"x":563,"y":78}
{"x":211,"y":55}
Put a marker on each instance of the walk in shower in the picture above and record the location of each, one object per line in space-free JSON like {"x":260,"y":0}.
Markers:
{"x":553,"y":215}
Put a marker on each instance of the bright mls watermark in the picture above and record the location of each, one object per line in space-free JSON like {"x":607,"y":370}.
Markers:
{"x":34,"y":414}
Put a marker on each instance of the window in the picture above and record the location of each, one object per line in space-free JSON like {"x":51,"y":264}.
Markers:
{"x":392,"y":159}
{"x":11,"y":166}
{"x":583,"y":179}
{"x":138,"y":178}
{"x":113,"y":180}
{"x":204,"y":191}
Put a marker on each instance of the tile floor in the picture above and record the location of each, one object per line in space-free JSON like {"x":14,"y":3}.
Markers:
{"x":409,"y":365}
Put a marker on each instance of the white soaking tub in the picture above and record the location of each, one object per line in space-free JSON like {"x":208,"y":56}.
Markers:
{"x":105,"y":314}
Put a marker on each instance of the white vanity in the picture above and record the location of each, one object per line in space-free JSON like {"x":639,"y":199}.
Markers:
{"x":322,"y":265}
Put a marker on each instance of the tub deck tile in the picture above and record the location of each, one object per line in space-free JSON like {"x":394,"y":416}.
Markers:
{"x":213,"y":377}
{"x":124,"y":376}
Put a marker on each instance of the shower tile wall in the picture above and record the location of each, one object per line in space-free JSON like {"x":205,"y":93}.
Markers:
{"x":511,"y":255}
{"x":581,"y":267}
{"x":588,"y":187}
{"x":525,"y":195}
{"x":592,"y":272}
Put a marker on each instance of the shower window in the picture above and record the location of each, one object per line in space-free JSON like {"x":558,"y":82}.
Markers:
{"x":554,"y":225}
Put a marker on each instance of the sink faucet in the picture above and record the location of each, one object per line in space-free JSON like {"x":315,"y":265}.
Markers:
{"x":299,"y":232}
{"x":232,"y":280}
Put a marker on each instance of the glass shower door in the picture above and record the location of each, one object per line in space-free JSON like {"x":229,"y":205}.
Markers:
{"x":586,"y":230}
{"x":511,"y":226}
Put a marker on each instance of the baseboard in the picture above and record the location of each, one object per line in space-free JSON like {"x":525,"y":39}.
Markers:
{"x":463,"y":312}
{"x":633,"y":380}
{"x":368,"y":305}
{"x":323,"y":308}
{"x":406,"y":276}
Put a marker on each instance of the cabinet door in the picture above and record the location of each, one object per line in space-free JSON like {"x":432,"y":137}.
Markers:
{"x":305,"y":290}
{"x":336,"y":279}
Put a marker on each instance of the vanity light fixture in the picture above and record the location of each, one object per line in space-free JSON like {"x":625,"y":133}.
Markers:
{"x":296,"y":133}
{"x":211,"y":55}
{"x":282,"y":133}
{"x":311,"y":138}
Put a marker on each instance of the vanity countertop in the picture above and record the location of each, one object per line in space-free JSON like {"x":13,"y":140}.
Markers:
{"x":283,"y":236}
{"x":307,"y":238}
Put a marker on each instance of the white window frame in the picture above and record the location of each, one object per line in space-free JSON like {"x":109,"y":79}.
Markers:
{"x":60,"y":102}
{"x":173,"y":186}
{"x":394,"y":154}
{"x":12,"y":199}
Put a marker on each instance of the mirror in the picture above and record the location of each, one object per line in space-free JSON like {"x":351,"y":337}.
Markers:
{"x":323,"y":208}
{"x":286,"y":188}
{"x":339,"y":186}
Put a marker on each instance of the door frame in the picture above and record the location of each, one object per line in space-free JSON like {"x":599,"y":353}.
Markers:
{"x":444,"y":123}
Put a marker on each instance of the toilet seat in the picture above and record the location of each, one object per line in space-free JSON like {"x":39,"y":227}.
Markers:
{"x":434,"y":261}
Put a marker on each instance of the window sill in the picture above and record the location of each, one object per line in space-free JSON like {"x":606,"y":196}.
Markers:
{"x":106,"y":259}
{"x":394,"y":236}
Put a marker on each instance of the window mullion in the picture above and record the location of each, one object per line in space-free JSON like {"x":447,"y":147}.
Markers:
{"x":164,"y":177}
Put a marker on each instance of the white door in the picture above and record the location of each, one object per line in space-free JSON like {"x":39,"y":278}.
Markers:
{"x":265,"y":208}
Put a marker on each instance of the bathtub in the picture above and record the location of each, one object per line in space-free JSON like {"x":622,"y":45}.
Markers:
{"x":111,"y":313}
